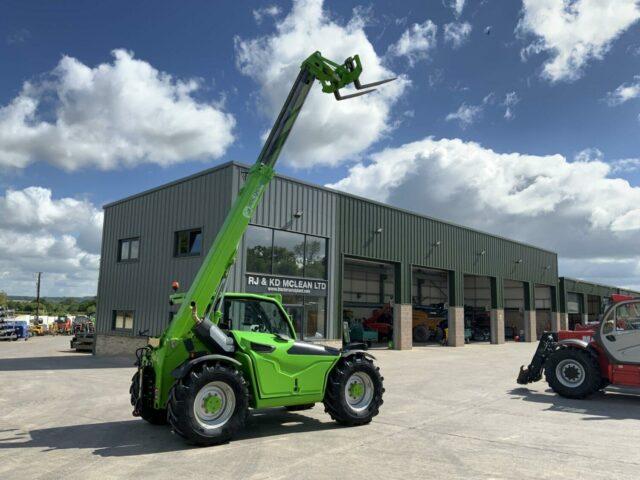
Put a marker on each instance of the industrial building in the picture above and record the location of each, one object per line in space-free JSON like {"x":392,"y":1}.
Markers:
{"x":334,"y":257}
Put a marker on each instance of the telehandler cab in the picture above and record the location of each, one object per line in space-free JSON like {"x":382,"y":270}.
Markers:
{"x":580,"y":362}
{"x":224,"y":353}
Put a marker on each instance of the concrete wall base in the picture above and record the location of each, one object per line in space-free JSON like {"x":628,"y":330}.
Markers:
{"x":118,"y":345}
{"x":497,"y":326}
{"x":585,"y":318}
{"x":456,"y":327}
{"x":556,"y":321}
{"x":530,"y":332}
{"x":402,"y":326}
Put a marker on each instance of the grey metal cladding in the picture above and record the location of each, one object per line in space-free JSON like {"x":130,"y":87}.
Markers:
{"x":284,"y":197}
{"x":589,"y":288}
{"x":154,"y":216}
{"x":421,"y":241}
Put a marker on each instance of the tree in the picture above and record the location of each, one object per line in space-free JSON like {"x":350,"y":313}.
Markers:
{"x":4,"y":299}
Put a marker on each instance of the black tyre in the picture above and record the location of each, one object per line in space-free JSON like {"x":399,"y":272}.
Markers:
{"x":421,"y":334}
{"x":299,"y":408}
{"x":354,"y":391}
{"x":144,"y":407}
{"x":209,"y":405}
{"x":573,"y":373}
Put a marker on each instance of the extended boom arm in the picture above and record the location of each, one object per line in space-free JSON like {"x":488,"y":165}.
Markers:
{"x":210,"y":278}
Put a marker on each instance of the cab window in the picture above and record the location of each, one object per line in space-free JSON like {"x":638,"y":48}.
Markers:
{"x":254,"y":316}
{"x":626,"y":317}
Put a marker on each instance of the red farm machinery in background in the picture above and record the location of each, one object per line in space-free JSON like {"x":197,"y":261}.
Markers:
{"x":579,"y":362}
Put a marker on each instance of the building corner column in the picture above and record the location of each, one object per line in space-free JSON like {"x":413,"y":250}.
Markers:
{"x":402,"y":326}
{"x":455,"y":336}
{"x":497,"y":326}
{"x":530,"y":333}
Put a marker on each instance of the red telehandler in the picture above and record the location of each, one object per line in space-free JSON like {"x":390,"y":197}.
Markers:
{"x":581,"y":362}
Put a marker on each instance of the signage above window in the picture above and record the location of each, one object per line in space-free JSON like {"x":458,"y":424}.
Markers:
{"x":260,"y":283}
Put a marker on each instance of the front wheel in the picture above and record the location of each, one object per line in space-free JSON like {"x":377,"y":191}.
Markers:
{"x":209,"y":405}
{"x":573,"y":373}
{"x":354,"y":391}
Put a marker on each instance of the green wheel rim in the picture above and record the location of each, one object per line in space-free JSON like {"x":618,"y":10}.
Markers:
{"x":359,"y":391}
{"x":214,"y":405}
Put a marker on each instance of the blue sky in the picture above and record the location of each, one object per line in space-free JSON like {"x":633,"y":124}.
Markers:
{"x":447,"y":92}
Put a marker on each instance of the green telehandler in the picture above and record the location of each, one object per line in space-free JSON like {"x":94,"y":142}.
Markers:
{"x":224,"y":353}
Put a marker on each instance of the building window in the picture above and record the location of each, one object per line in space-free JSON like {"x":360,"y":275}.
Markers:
{"x":129,"y":249}
{"x":279,"y":252}
{"x":188,"y":243}
{"x":258,"y":244}
{"x":315,"y":257}
{"x":288,"y":253}
{"x":122,"y":320}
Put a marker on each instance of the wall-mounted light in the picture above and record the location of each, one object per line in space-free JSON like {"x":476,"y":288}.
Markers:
{"x":519,"y":260}
{"x":437,"y":243}
{"x":298,"y":214}
{"x":483,"y":252}
{"x":379,"y":230}
{"x":548,"y":267}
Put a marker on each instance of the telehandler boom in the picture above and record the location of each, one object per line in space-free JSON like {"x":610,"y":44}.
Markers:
{"x":225,"y":352}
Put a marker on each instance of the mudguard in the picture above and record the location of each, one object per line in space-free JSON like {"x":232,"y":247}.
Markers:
{"x":183,"y":369}
{"x":574,"y":342}
{"x":349,"y":353}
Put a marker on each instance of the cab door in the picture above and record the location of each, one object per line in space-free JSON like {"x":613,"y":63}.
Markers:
{"x":620,"y":332}
{"x":282,"y":367}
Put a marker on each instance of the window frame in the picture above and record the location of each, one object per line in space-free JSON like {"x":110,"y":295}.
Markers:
{"x":123,"y":329}
{"x":305,"y":236}
{"x":128,"y":241}
{"x":227,"y":321}
{"x":176,"y":254}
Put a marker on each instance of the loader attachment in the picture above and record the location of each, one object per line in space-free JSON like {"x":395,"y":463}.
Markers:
{"x":333,"y":76}
{"x":533,"y":373}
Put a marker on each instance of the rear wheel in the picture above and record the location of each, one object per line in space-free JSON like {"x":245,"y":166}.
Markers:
{"x":573,"y":373}
{"x":209,"y":405}
{"x":421,"y":334}
{"x":354,"y":391}
{"x":143,"y":407}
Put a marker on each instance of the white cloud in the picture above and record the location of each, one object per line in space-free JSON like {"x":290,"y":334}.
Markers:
{"x":625,"y":92}
{"x":574,"y":32}
{"x":511,"y":99}
{"x":572,"y":207}
{"x":589,"y":155}
{"x":259,"y":14}
{"x":626,"y":165}
{"x":457,"y":33}
{"x":59,"y":237}
{"x":456,"y":5}
{"x":115,"y":114}
{"x":416,"y":42}
{"x":465,"y":115}
{"x":468,"y":114}
{"x":327,"y":132}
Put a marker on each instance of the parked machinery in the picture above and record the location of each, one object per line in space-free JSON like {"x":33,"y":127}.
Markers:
{"x":83,"y":334}
{"x":577,"y":363}
{"x":224,"y":353}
